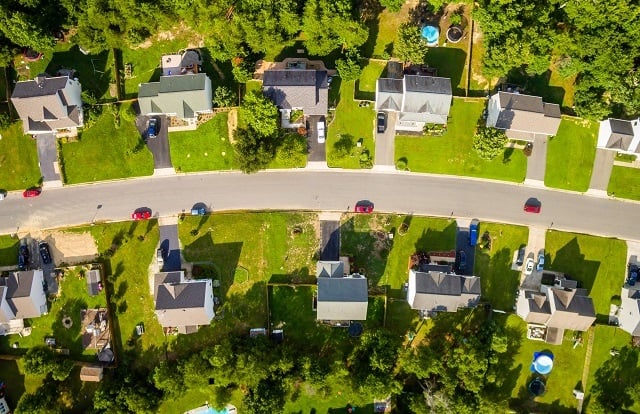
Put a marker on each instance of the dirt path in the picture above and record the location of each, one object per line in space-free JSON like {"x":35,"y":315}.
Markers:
{"x":232,"y":123}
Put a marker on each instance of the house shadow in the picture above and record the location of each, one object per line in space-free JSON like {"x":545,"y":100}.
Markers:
{"x":14,"y":379}
{"x":572,"y":262}
{"x":300,"y":46}
{"x":94,"y":71}
{"x":450,"y":62}
{"x":538,"y":85}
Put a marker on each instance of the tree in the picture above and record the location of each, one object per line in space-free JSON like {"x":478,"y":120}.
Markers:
{"x":329,"y":24}
{"x":489,"y":142}
{"x":260,"y":113}
{"x":126,"y":391}
{"x":42,"y":361}
{"x":167,"y":378}
{"x":223,"y":97}
{"x":349,"y":68}
{"x":266,"y":398}
{"x":43,"y":400}
{"x":410,"y":47}
{"x":392,"y":5}
{"x":254,"y":150}
{"x":617,"y":382}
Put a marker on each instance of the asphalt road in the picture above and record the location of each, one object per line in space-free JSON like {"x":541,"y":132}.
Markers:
{"x":321,"y":190}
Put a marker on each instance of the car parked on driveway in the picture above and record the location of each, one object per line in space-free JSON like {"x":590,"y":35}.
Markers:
{"x":520,"y":258}
{"x":152,"y":128}
{"x":43,"y":247}
{"x":540,"y":265}
{"x":382,"y":122}
{"x":23,"y":256}
{"x":31,"y":192}
{"x":321,"y":132}
{"x":462,"y":260}
{"x":141,"y":215}
{"x":528,"y":268}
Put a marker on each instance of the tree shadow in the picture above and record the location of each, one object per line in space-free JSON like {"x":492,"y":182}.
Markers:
{"x":93,"y":71}
{"x":298,"y":276}
{"x":334,"y":92}
{"x":538,"y":85}
{"x":14,"y":379}
{"x":450,"y":63}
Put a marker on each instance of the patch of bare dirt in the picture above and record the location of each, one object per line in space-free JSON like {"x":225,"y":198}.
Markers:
{"x":68,"y":247}
{"x":232,"y":123}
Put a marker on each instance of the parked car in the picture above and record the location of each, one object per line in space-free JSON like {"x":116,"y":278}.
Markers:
{"x":152,"y":128}
{"x":532,"y":207}
{"x":141,"y":215}
{"x":528,"y":269}
{"x":3,"y":195}
{"x":473,"y":232}
{"x":43,"y":247}
{"x":462,"y":260}
{"x":633,"y":275}
{"x":540,"y":266}
{"x":31,"y":192}
{"x":520,"y":258}
{"x":321,"y":134}
{"x":382,"y":122}
{"x":364,"y":207}
{"x":23,"y":256}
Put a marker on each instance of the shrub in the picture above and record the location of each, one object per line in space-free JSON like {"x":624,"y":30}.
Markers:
{"x":401,"y":164}
{"x":349,"y":68}
{"x":489,"y":142}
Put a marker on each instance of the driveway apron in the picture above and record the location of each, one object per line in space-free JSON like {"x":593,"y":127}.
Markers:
{"x":537,"y":162}
{"x":602,"y":166}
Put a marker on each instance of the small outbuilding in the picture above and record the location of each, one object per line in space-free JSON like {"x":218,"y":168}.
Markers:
{"x":91,"y":374}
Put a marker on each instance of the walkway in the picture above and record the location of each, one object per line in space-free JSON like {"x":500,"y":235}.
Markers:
{"x":602,"y":167}
{"x":537,"y":162}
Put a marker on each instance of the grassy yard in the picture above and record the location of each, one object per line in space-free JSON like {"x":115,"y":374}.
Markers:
{"x":453,"y":152}
{"x":383,"y":32}
{"x":351,"y":123}
{"x":384,"y":261}
{"x":550,"y":86}
{"x":570,"y":155}
{"x":72,"y":298}
{"x":19,"y":167}
{"x":118,"y":152}
{"x":597,"y":263}
{"x":8,"y":250}
{"x":499,"y":282}
{"x":625,"y":182}
{"x":366,"y":85}
{"x":205,"y":149}
{"x":451,"y":63}
{"x":291,"y":153}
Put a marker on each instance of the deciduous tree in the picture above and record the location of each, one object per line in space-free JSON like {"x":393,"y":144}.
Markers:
{"x":489,"y":142}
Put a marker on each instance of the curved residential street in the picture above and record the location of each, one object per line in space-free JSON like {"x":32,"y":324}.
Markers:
{"x":336,"y":190}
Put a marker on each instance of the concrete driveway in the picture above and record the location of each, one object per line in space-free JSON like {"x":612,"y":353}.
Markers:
{"x":535,"y":246}
{"x":537,"y":162}
{"x":48,"y":158}
{"x":602,"y":166}
{"x":330,"y":247}
{"x":317,"y":152}
{"x":385,"y":142}
{"x":159,"y":146}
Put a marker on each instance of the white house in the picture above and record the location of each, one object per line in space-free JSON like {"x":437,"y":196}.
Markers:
{"x":523,"y":117}
{"x":22,"y":296}
{"x":620,"y":135}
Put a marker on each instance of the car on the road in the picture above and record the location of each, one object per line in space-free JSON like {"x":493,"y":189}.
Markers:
{"x":528,"y":268}
{"x":462,"y":260}
{"x":31,"y":192}
{"x":382,"y":122}
{"x":364,"y":207}
{"x":152,"y":128}
{"x":23,"y":257}
{"x":532,"y":207}
{"x":540,"y":265}
{"x":141,"y":215}
{"x":43,"y":247}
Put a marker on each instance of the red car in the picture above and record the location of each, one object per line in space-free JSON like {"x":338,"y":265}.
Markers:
{"x":141,"y":215}
{"x":31,"y":192}
{"x":532,"y":208}
{"x":364,"y":208}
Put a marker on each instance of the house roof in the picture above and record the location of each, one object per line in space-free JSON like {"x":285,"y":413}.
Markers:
{"x":537,"y":302}
{"x":526,"y":113}
{"x":166,"y":277}
{"x":427,"y":84}
{"x":436,"y":290}
{"x":342,"y":298}
{"x":416,"y":98}
{"x":296,"y":88}
{"x":39,"y":87}
{"x":91,"y":374}
{"x":570,"y":300}
{"x":290,"y":77}
{"x":183,"y":304}
{"x":629,"y":313}
{"x":390,"y":85}
{"x":183,"y":95}
{"x":620,"y":126}
{"x":18,"y":293}
{"x":329,"y":269}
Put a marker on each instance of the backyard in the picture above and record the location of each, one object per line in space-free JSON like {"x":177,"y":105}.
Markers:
{"x":625,"y":182}
{"x":366,"y":85}
{"x":499,"y":282}
{"x":19,"y":167}
{"x":570,"y":155}
{"x":453,"y":153}
{"x":120,"y":152}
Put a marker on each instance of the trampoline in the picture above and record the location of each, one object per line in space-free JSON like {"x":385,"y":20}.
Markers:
{"x":454,"y":34}
{"x":355,"y":329}
{"x":542,"y":363}
{"x":537,"y":387}
{"x":431,"y":35}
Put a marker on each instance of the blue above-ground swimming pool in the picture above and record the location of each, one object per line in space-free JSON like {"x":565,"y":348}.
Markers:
{"x":209,"y":410}
{"x":431,"y":35}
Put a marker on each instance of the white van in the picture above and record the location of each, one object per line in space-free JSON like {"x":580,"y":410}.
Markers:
{"x":321,"y":132}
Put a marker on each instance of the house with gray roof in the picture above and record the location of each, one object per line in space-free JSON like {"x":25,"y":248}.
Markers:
{"x":523,"y":117}
{"x":629,"y":311}
{"x":182,"y":304}
{"x":49,"y":105}
{"x":341,"y":297}
{"x":418,"y":100}
{"x":438,"y":291}
{"x":181,"y":96}
{"x":22,"y":296}
{"x":297,"y":88}
{"x":620,"y":136}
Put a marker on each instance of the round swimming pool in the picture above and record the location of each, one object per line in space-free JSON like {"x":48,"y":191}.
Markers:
{"x":431,"y":35}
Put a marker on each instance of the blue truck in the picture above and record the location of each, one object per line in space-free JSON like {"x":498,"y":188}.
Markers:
{"x":473,"y":232}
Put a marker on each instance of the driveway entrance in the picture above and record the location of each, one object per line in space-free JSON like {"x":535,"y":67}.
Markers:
{"x":602,"y":166}
{"x":385,"y":142}
{"x":159,"y":146}
{"x":317,"y":151}
{"x":48,"y":159}
{"x":537,"y":162}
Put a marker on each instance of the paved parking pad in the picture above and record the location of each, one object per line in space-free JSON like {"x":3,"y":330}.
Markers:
{"x":330,"y":247}
{"x":462,"y":243}
{"x":170,"y":247}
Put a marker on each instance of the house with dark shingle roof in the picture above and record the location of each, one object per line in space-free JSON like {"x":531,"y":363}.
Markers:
{"x":340,"y":297}
{"x":439,"y":291}
{"x":49,"y":104}
{"x":22,"y":296}
{"x":179,"y":96}
{"x":629,"y":312}
{"x":418,"y":100}
{"x":522,"y":117}
{"x":183,"y":304}
{"x":620,"y":135}
{"x":297,"y":89}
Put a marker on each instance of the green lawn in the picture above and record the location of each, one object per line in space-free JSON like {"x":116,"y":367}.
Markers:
{"x":8,"y":250}
{"x":451,"y":63}
{"x":351,"y":123}
{"x":597,"y":263}
{"x":205,"y":149}
{"x":386,"y":262}
{"x":291,"y":152}
{"x":383,"y":32}
{"x":72,"y":298}
{"x":453,"y":153}
{"x":19,"y":167}
{"x":570,"y":155}
{"x":105,"y":152}
{"x":128,"y":248}
{"x":499,"y":282}
{"x":625,"y":182}
{"x":366,"y":85}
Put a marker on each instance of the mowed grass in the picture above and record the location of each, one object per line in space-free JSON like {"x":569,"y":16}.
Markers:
{"x":9,"y":250}
{"x":291,"y":152}
{"x":625,"y":182}
{"x":453,"y":152}
{"x":597,"y":263}
{"x":498,"y":281}
{"x":105,"y":152}
{"x":73,"y":297}
{"x":570,"y":155}
{"x":366,"y":85}
{"x":128,"y":248}
{"x":205,"y":149}
{"x":351,"y":122}
{"x":19,"y":167}
{"x":386,"y":262}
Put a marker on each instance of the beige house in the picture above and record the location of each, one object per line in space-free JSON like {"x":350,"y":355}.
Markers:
{"x":620,"y":135}
{"x":523,"y":117}
{"x":341,"y":297}
{"x":438,"y":290}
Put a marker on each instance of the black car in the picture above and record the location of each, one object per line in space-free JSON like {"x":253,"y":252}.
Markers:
{"x":382,"y":122}
{"x":462,"y":260}
{"x":23,"y":257}
{"x":152,"y":129}
{"x":44,"y":252}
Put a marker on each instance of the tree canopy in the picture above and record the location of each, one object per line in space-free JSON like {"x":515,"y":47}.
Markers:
{"x":410,"y":46}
